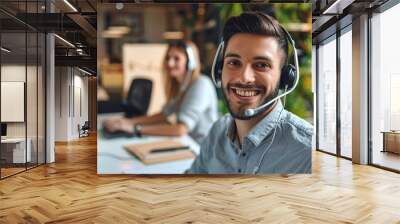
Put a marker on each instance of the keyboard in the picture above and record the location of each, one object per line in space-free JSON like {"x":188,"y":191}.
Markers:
{"x":116,"y":134}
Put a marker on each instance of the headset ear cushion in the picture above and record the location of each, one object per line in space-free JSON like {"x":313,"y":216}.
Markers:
{"x":218,"y":72}
{"x":288,"y":77}
{"x":217,"y":67}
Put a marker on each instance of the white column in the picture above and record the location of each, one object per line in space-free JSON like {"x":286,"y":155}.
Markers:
{"x":360,"y":90}
{"x":50,"y":92}
{"x":50,"y":100}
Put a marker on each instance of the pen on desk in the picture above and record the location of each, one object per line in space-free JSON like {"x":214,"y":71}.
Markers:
{"x":171,"y":149}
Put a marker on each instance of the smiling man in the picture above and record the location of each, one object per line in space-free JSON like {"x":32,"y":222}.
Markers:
{"x":259,"y":135}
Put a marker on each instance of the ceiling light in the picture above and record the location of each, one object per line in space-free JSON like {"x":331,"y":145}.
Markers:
{"x":119,"y":29}
{"x":111,"y":36}
{"x":298,"y":27}
{"x":84,"y":71}
{"x":337,"y":7}
{"x":173,"y":35}
{"x":115,"y":31}
{"x":65,"y":41}
{"x":5,"y":50}
{"x":70,"y":5}
{"x":119,"y":5}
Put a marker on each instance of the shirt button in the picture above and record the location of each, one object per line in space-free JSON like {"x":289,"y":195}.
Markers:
{"x":244,"y":154}
{"x":239,"y":170}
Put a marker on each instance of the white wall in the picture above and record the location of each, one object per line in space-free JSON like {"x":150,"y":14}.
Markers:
{"x":71,"y":94}
{"x":33,"y":125}
{"x":12,"y":73}
{"x":145,"y":61}
{"x":61,"y":103}
{"x":81,"y":104}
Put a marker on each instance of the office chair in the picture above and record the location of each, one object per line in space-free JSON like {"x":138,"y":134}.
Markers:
{"x":84,"y":130}
{"x":138,"y":99}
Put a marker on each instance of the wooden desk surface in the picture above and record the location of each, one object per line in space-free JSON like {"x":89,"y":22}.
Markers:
{"x":391,"y":142}
{"x":112,"y":158}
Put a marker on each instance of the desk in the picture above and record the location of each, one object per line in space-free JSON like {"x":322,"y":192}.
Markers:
{"x":391,"y":141}
{"x":15,"y":153}
{"x":112,"y":158}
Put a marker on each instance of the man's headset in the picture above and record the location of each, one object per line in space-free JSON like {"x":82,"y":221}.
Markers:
{"x":288,"y":80}
{"x":191,"y":65}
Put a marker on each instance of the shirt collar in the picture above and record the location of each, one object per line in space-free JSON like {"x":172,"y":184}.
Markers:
{"x":231,"y":132}
{"x":262,"y":129}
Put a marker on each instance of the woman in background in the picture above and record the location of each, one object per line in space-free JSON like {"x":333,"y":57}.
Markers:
{"x":191,"y":99}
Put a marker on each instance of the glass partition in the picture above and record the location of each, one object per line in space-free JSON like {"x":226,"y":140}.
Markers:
{"x":327,"y":95}
{"x":346,"y":93}
{"x":14,"y":153}
{"x":385,"y":89}
{"x":22,"y":76}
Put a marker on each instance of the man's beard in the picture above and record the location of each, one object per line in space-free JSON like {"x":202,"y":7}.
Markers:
{"x":241,"y":113}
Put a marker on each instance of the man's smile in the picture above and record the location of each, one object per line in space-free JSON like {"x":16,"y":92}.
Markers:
{"x":245,"y":94}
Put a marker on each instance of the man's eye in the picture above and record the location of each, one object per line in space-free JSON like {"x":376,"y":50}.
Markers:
{"x":233,"y":62}
{"x":262,"y":65}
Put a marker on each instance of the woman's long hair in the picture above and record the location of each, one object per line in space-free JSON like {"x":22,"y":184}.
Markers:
{"x":171,"y":84}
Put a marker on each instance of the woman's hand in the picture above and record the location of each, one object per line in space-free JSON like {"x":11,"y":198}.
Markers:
{"x":115,"y":124}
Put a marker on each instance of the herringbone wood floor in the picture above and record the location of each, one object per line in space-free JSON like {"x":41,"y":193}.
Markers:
{"x":70,"y":191}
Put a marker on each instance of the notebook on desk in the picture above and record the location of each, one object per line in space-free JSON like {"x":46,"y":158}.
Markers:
{"x":160,"y":151}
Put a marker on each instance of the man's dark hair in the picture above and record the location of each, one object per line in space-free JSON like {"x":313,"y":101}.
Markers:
{"x":256,"y":23}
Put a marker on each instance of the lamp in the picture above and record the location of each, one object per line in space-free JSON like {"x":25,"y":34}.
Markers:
{"x":5,"y":50}
{"x":64,"y":40}
{"x":70,"y":5}
{"x":84,"y":71}
{"x":337,"y":7}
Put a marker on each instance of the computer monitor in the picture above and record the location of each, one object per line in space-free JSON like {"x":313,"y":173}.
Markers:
{"x":3,"y":129}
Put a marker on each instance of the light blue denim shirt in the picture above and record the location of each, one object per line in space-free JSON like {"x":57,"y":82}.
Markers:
{"x":290,"y":151}
{"x":198,"y":109}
